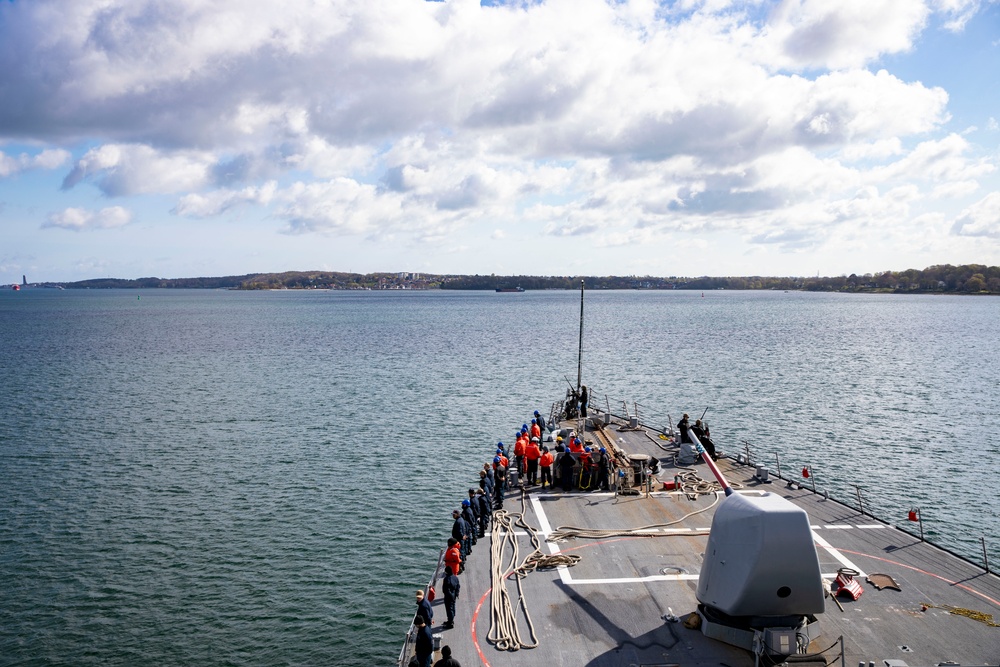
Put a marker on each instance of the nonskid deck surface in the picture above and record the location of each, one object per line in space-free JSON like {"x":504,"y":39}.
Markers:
{"x":611,"y":608}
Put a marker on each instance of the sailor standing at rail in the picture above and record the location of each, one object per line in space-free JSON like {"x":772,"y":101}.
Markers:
{"x":470,"y":522}
{"x":501,"y":480}
{"x":424,"y":607}
{"x":683,"y":427}
{"x":484,"y":511}
{"x":450,"y":587}
{"x":540,"y":420}
{"x":486,"y":485}
{"x":474,"y":505}
{"x":453,"y":556}
{"x":459,"y":531}
{"x":424,"y":643}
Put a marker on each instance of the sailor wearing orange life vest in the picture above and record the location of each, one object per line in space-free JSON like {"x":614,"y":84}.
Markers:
{"x":519,"y":448}
{"x":536,"y":430}
{"x":502,"y":459}
{"x":532,"y":453}
{"x":585,"y":466}
{"x":575,"y":445}
{"x":453,"y":556}
{"x":546,"y":464}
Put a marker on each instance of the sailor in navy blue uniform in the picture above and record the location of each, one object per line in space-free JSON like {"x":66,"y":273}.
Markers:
{"x":470,"y":522}
{"x":460,"y":531}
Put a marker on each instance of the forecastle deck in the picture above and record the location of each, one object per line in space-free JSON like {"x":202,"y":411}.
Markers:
{"x":626,"y":599}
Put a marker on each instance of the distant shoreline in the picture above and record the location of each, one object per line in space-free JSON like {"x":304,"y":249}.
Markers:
{"x":939,"y":279}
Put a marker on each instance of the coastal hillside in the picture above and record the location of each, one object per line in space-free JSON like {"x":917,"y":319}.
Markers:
{"x":943,"y":278}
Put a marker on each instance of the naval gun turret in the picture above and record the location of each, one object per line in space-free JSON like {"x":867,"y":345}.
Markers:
{"x":760,"y":586}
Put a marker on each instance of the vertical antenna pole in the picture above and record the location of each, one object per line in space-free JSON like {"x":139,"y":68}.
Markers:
{"x":579,"y":359}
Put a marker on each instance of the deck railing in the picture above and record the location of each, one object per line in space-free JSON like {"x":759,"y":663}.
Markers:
{"x":411,"y":632}
{"x":747,"y":454}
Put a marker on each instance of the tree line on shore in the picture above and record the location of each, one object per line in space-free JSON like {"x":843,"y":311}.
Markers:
{"x":943,"y":278}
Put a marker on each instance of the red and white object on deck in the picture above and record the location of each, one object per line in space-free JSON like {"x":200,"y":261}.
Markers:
{"x":846,"y":583}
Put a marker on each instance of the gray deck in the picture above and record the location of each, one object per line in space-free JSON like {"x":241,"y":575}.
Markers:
{"x":609,"y":609}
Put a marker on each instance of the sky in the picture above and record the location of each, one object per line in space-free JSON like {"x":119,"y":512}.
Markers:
{"x":186,"y":138}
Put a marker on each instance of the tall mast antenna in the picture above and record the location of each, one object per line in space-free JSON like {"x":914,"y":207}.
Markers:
{"x":579,"y":358}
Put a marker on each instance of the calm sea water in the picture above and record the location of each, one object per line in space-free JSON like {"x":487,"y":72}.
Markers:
{"x":229,"y":478}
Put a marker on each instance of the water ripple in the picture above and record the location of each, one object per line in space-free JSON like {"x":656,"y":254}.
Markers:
{"x":221,"y":478}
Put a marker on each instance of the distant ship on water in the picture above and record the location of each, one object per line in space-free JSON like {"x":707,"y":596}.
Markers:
{"x":510,"y":289}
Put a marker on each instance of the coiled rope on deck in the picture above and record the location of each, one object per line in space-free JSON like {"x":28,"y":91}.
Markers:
{"x":693,"y":484}
{"x":504,"y":631}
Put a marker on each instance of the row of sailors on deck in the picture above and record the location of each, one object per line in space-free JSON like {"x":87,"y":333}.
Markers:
{"x":576,"y":466}
{"x":572,"y":464}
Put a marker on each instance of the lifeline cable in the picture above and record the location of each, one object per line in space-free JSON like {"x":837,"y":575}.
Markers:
{"x":569,"y":532}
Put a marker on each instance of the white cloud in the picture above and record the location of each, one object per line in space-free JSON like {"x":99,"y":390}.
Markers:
{"x":339,"y":205}
{"x":843,"y":34}
{"x":980,"y":219}
{"x":955,"y":190}
{"x":941,"y":161}
{"x":618,"y":122}
{"x":46,"y":159}
{"x":126,"y":169}
{"x":875,"y":150}
{"x":78,"y":219}
{"x":218,"y":201}
{"x":957,"y":12}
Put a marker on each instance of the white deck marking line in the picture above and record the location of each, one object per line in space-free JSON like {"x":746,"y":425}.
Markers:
{"x":564,"y":573}
{"x":546,"y":529}
{"x":632,"y":580}
{"x":846,"y":526}
{"x":836,"y":554}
